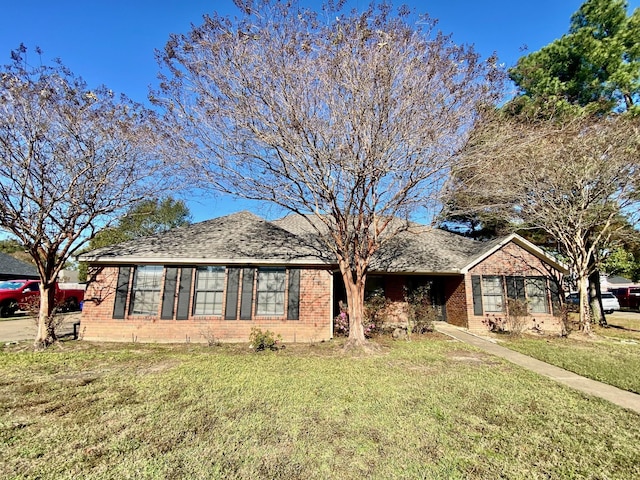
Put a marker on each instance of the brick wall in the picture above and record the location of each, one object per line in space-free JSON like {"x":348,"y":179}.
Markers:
{"x":456,"y":301}
{"x":510,"y":260}
{"x":98,"y":324}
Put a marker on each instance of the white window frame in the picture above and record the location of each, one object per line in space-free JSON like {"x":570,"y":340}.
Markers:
{"x":493,"y":295}
{"x":270,"y":292}
{"x":147,"y":289}
{"x":208,"y":292}
{"x":536,"y":289}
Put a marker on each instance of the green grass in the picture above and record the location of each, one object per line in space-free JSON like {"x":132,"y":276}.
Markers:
{"x":429,"y":409}
{"x":612,"y":356}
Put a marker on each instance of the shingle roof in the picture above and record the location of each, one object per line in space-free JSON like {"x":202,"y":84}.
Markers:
{"x":418,"y":249}
{"x":240,"y":238}
{"x":244,"y":238}
{"x":12,"y":267}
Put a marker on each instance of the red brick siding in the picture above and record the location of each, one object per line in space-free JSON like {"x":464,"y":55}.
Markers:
{"x":456,"y":301}
{"x":313,"y":325}
{"x":509,"y":260}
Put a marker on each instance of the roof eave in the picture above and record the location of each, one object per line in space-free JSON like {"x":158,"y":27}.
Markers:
{"x":131,"y":260}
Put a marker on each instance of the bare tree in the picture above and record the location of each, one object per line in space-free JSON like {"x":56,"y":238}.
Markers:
{"x":573,"y":179}
{"x":72,"y":158}
{"x":350,"y":119}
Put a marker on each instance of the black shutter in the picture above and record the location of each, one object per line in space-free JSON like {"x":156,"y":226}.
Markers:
{"x":122,"y":289}
{"x":169,"y":294}
{"x":293,"y":304}
{"x":246,"y":300}
{"x":231,"y":305}
{"x":184,"y":293}
{"x":555,"y":297}
{"x":476,"y":288}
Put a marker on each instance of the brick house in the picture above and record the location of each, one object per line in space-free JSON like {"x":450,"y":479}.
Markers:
{"x":219,"y":278}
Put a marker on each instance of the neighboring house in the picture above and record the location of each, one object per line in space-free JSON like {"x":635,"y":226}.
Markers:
{"x":222,"y":277}
{"x":615,"y":281}
{"x":12,"y":268}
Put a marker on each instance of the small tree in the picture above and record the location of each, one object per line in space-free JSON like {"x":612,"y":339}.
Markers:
{"x":349,"y":119}
{"x":72,"y":159}
{"x":148,"y":217}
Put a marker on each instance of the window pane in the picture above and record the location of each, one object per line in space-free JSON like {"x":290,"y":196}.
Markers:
{"x":270,"y":292}
{"x":492,"y":294}
{"x":537,"y":295}
{"x":146,"y":292}
{"x":209,"y":291}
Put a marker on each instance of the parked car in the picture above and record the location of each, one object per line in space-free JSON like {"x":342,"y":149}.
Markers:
{"x":629,"y":297}
{"x":25,"y":294}
{"x":609,"y":301}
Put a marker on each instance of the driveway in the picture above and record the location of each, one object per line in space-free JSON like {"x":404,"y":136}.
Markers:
{"x":24,"y":328}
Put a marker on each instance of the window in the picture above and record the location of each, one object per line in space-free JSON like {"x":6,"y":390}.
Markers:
{"x":145,"y":297}
{"x":374,"y":287}
{"x":208,"y":291}
{"x":492,"y":294}
{"x":270,"y":291}
{"x":537,"y":295}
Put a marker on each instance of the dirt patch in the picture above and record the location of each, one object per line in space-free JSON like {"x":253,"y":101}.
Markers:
{"x":157,"y":368}
{"x":469,"y":357}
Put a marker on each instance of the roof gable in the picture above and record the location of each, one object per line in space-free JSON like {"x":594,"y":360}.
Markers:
{"x":494,"y":245}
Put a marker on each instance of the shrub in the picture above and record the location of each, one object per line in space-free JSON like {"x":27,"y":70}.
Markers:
{"x":375,"y":311}
{"x":514,"y":322}
{"x":264,"y":340}
{"x":420,"y":312}
{"x":374,"y":314}
{"x":341,"y":321}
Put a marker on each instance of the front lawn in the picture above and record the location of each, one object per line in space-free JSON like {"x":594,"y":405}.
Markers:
{"x":430,"y":408}
{"x":612,"y":356}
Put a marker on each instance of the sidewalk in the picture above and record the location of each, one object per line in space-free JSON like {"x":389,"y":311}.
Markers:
{"x":622,"y":398}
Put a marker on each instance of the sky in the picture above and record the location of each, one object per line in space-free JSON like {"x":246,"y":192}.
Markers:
{"x":113,"y":42}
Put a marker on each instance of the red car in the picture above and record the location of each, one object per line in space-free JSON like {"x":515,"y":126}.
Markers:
{"x":25,"y":294}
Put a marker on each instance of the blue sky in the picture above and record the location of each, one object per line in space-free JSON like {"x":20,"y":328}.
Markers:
{"x":113,"y":42}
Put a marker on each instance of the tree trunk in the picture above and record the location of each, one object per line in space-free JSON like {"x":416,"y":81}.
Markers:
{"x":585,"y":318}
{"x":355,"y":302}
{"x":595,"y":299}
{"x":45,"y":335}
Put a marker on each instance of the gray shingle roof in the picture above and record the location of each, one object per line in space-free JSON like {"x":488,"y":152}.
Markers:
{"x":419,"y":249}
{"x":13,"y":268}
{"x":240,"y":238}
{"x":244,"y":238}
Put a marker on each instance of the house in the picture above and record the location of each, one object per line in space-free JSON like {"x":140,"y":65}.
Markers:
{"x":221,"y":277}
{"x":12,"y":268}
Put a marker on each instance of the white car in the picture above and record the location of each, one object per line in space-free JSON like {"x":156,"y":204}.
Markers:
{"x":609,"y":301}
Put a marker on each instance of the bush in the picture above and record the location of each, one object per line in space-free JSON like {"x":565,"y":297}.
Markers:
{"x":375,"y":311}
{"x":514,"y":322}
{"x":374,"y":314}
{"x":420,"y":312}
{"x":264,"y":340}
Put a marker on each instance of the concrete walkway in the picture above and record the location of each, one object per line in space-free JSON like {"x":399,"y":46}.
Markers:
{"x":622,"y":398}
